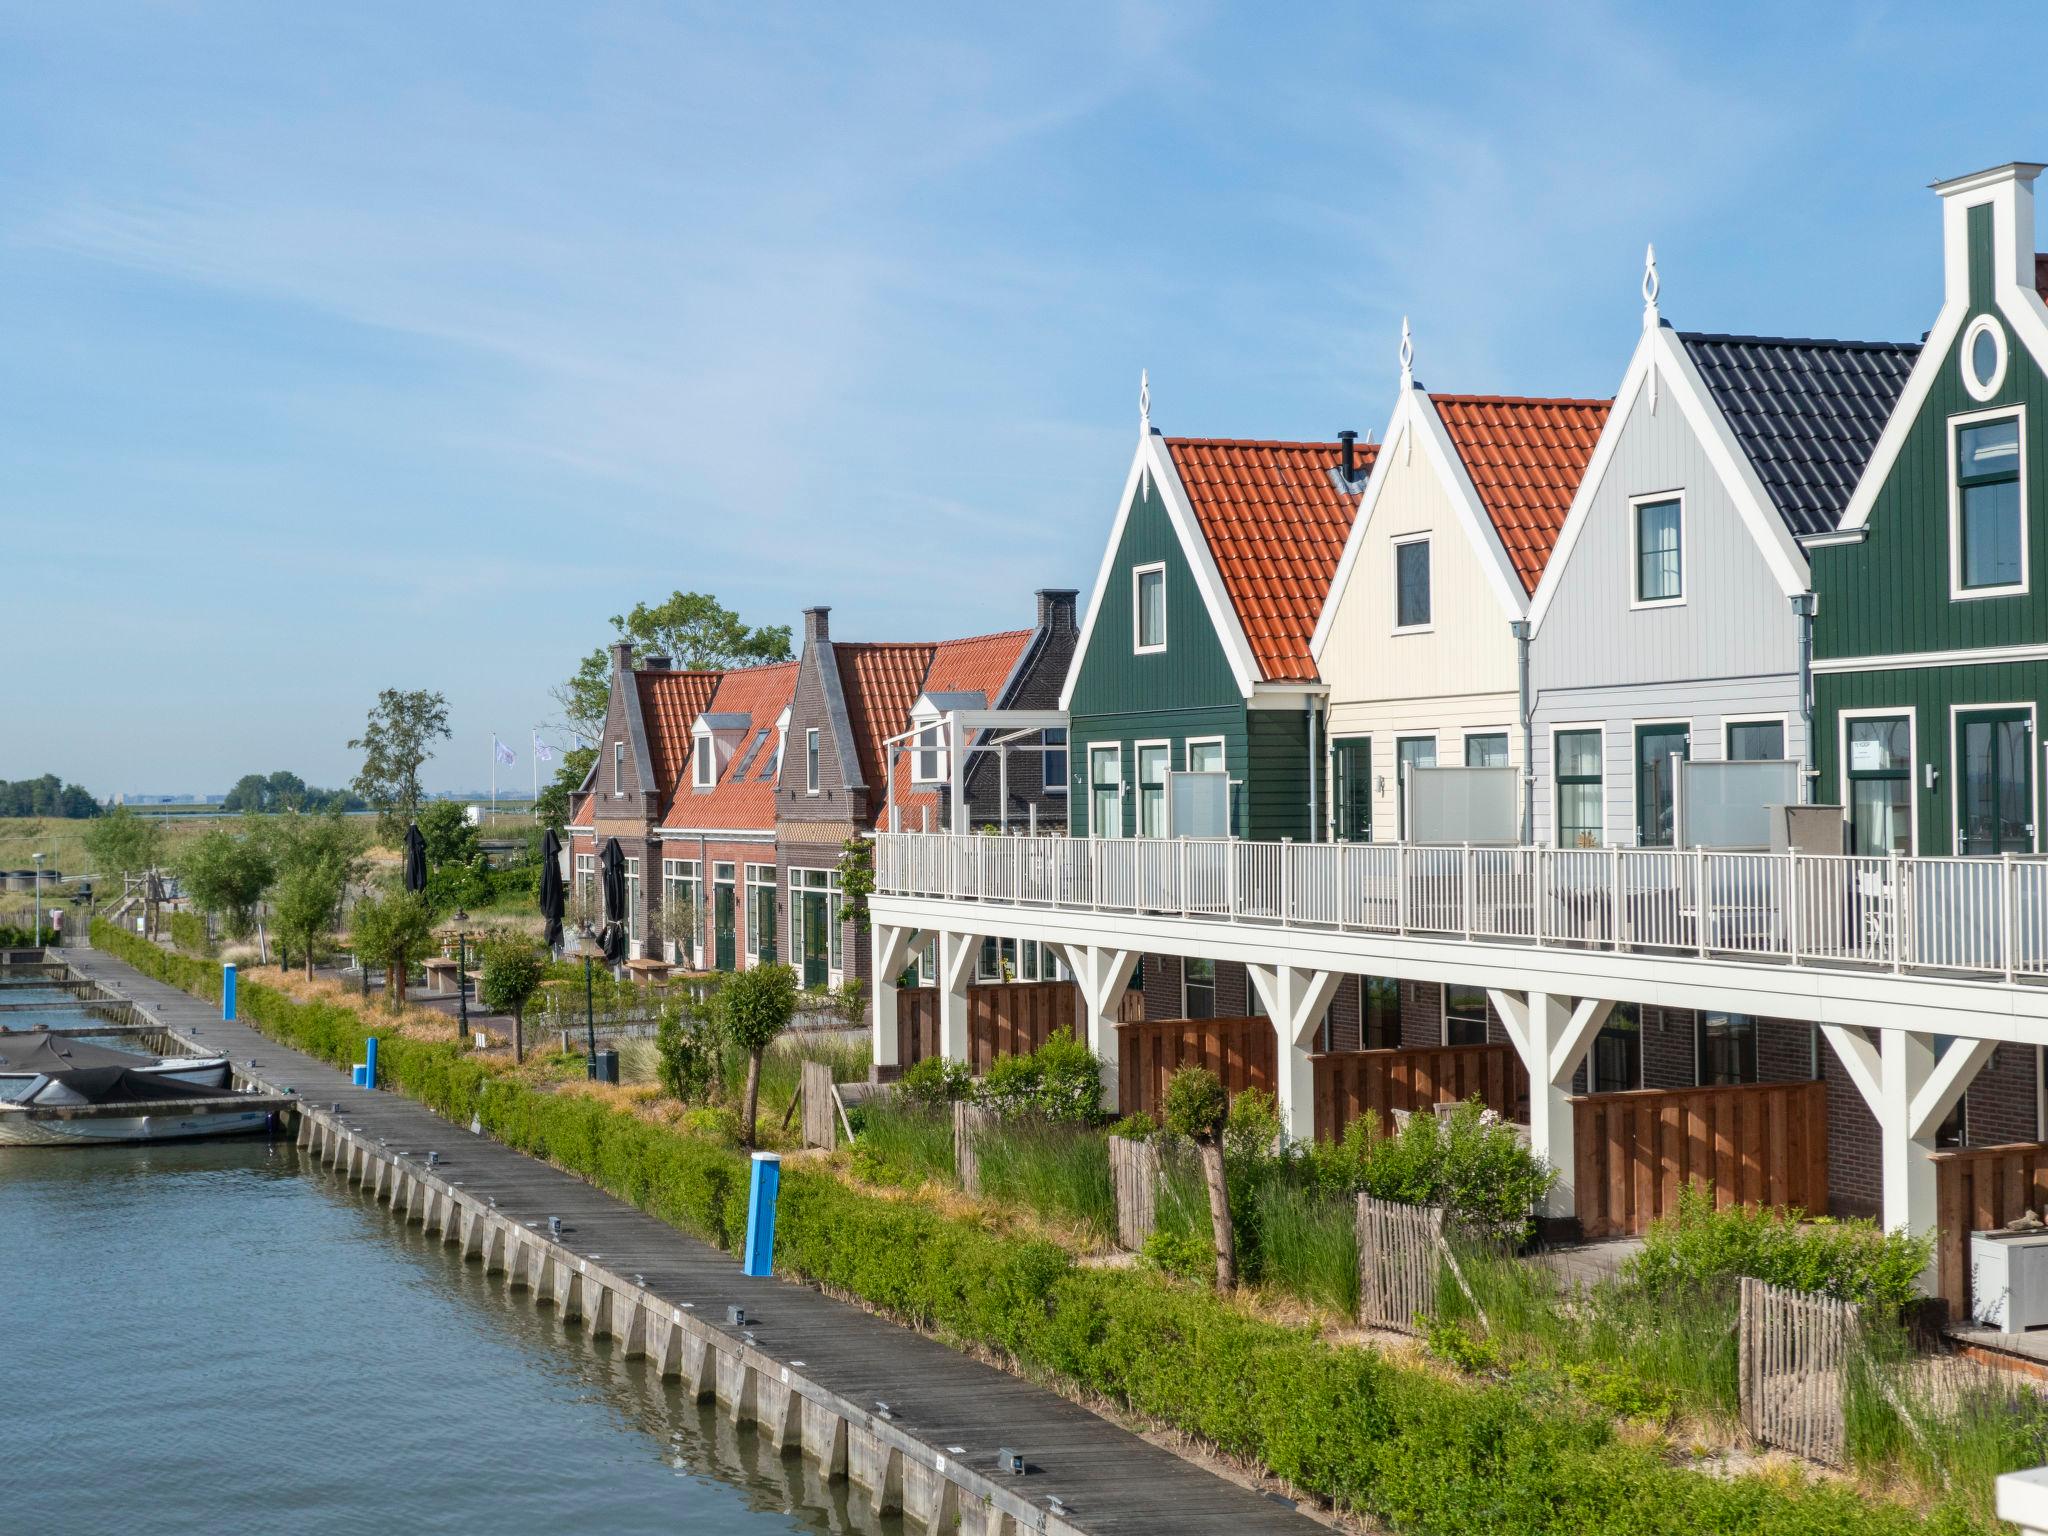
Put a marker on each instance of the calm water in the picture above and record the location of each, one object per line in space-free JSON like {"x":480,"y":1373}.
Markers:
{"x":219,"y":1338}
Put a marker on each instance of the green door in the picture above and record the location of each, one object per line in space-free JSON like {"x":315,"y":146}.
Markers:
{"x":1657,"y":782}
{"x":817,"y":965}
{"x":1353,"y":799}
{"x":1995,"y":800}
{"x":723,"y":932}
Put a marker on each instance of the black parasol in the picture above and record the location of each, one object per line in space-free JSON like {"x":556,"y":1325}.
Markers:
{"x":415,"y":859}
{"x":552,"y":903}
{"x":611,"y":872}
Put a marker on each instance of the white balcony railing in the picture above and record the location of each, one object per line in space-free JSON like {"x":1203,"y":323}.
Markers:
{"x":1985,"y":916}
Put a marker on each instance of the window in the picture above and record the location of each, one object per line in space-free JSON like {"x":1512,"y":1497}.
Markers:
{"x":1756,"y":741}
{"x":679,"y":908}
{"x":1106,"y":791}
{"x":1880,"y":771}
{"x":1411,"y":584}
{"x":928,"y":765}
{"x":1148,"y":609}
{"x":1198,"y":989}
{"x":1205,"y":756}
{"x":1153,"y":758}
{"x":1657,"y":782}
{"x":586,"y":876}
{"x":618,"y":769}
{"x":1055,"y":760}
{"x":988,"y":961}
{"x":1659,"y":556}
{"x":1411,"y":752}
{"x":632,"y":900}
{"x":1580,"y":819}
{"x":1464,"y":1015}
{"x":1351,"y":790}
{"x":760,"y":914}
{"x":1726,"y":1048}
{"x":815,"y":922}
{"x":1379,"y":1013}
{"x":1989,"y":538}
{"x":811,"y":761}
{"x":704,"y":761}
{"x":1983,"y":357}
{"x":1618,"y":1051}
{"x":1487,"y":751}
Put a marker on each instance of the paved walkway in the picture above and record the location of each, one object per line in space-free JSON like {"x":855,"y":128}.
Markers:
{"x":1108,"y":1479}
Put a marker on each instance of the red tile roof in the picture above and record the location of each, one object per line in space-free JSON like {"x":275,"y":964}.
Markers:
{"x":980,"y":665}
{"x":1526,"y":458}
{"x":880,"y":683}
{"x":1275,"y":523}
{"x":669,"y":703}
{"x":744,"y":797}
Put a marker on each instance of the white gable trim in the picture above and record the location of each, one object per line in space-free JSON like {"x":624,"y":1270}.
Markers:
{"x":1152,"y":461}
{"x":1382,"y":464}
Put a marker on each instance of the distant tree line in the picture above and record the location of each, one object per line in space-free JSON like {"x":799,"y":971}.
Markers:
{"x":46,"y":797}
{"x":282,"y":791}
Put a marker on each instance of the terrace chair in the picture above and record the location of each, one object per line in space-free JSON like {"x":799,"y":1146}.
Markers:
{"x":1877,"y":904}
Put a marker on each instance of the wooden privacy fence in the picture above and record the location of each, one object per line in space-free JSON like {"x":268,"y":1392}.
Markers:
{"x":1400,"y":1255}
{"x":1349,"y":1083}
{"x":1134,"y":1170}
{"x":1794,"y":1358}
{"x":1241,"y":1052}
{"x":1757,"y":1144}
{"x":1976,"y":1190}
{"x":1003,"y":1019}
{"x":821,"y":1106}
{"x":969,"y":1121}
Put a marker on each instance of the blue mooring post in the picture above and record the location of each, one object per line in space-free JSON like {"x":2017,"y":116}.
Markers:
{"x":227,"y":992}
{"x":370,"y":1062}
{"x":761,"y":1215}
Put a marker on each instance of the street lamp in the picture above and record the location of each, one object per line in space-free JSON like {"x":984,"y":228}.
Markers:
{"x":39,"y":857}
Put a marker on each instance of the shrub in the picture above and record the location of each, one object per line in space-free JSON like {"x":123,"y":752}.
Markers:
{"x":935,"y":1080}
{"x":688,"y":1056}
{"x":513,"y":967}
{"x":1196,"y":1107}
{"x":1471,"y":1164}
{"x":1136,"y":1126}
{"x":188,"y":932}
{"x":1061,"y":1080}
{"x":1854,"y":1260}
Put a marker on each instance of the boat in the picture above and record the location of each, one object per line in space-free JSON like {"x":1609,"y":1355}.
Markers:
{"x":85,"y":1105}
{"x":32,"y":1054}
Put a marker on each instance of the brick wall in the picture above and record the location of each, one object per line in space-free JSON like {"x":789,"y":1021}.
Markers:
{"x":2000,"y":1106}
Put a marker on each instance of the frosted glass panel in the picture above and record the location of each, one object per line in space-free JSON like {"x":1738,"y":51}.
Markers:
{"x":1727,"y":805}
{"x":1200,"y":804}
{"x":1463,"y":805}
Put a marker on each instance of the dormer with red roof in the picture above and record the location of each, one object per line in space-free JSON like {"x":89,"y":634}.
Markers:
{"x":1416,"y":642}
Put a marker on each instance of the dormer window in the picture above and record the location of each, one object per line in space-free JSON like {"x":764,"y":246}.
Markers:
{"x":1148,"y":609}
{"x":1987,"y":508}
{"x":928,"y":761}
{"x":704,"y":761}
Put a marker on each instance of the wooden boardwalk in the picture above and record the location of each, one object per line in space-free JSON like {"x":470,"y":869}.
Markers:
{"x":1085,"y":1474}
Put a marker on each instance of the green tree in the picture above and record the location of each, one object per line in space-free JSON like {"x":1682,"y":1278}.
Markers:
{"x":397,"y":738}
{"x":316,"y":859}
{"x":754,"y":1007}
{"x":397,"y":931}
{"x":552,"y":808}
{"x":226,"y":873}
{"x":1197,"y":1107}
{"x":514,"y":966}
{"x":687,"y":1051}
{"x":449,"y":837}
{"x":692,"y":629}
{"x":123,"y":843}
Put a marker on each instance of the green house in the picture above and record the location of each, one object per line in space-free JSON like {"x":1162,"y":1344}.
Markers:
{"x":1931,"y":636}
{"x":1194,"y":703}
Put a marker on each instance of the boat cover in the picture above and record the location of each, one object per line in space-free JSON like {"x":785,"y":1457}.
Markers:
{"x":38,"y":1050}
{"x":117,"y":1085}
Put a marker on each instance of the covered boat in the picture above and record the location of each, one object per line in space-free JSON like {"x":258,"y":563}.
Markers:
{"x":32,"y":1054}
{"x":121,"y":1103}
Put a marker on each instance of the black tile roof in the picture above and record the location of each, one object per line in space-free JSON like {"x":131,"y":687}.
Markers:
{"x":1808,"y":413}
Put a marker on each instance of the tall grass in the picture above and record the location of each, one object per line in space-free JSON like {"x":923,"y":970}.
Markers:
{"x":1060,"y":1172}
{"x":782,"y":1066}
{"x":906,"y":1143}
{"x":1307,"y":1245}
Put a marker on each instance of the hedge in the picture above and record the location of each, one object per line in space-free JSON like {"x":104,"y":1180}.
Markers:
{"x":1407,"y":1446}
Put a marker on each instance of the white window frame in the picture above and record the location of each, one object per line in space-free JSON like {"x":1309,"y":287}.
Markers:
{"x":1914,"y":768}
{"x":675,"y":872}
{"x":1436,"y":748}
{"x":750,"y":941}
{"x":1467,"y":736}
{"x":1443,"y":1011}
{"x":1066,"y":749}
{"x":1982,"y":391}
{"x":1635,"y":730}
{"x":802,"y":879}
{"x":936,"y":730}
{"x":811,"y":774}
{"x":1220,"y":743}
{"x":1138,"y":749}
{"x":1573,"y":728}
{"x":1635,"y":550}
{"x":618,"y":770}
{"x":1783,"y":722}
{"x":1116,"y":747}
{"x":1957,"y":592}
{"x":704,"y":761}
{"x":1395,"y":547}
{"x":1138,"y":574}
{"x":1955,"y":765}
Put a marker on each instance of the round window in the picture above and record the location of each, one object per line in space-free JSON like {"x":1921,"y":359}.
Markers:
{"x":1983,"y":358}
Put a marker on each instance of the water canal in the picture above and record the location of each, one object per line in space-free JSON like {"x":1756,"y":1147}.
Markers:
{"x":227,"y":1338}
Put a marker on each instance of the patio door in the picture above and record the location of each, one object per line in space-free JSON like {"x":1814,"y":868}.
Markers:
{"x":1995,"y":800}
{"x":1657,"y":782}
{"x":817,"y":963}
{"x":724,"y":933}
{"x":1352,"y":802}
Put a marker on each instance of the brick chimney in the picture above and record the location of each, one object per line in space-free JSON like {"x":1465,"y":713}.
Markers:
{"x":622,"y":656}
{"x":817,"y":624}
{"x":1056,"y":607}
{"x":656,"y":663}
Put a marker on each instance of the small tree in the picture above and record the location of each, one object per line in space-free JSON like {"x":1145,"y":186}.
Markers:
{"x":395,"y":930}
{"x":397,"y":738}
{"x":514,"y":966}
{"x":754,"y":1007}
{"x":226,"y":873}
{"x":687,"y":1050}
{"x":1196,"y":1107}
{"x":856,"y":879}
{"x":315,"y":858}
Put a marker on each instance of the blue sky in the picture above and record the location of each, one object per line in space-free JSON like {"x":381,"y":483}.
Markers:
{"x":373,"y":345}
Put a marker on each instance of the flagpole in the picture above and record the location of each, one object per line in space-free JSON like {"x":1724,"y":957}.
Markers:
{"x":535,"y":734}
{"x":494,"y":778}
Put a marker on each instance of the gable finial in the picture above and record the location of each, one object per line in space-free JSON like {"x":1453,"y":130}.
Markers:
{"x":1144,"y":402}
{"x":1650,"y":286}
{"x":1407,"y":354}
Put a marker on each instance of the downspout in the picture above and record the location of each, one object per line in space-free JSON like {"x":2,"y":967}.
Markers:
{"x":1804,"y":605}
{"x":1315,"y":820}
{"x":1520,"y":629}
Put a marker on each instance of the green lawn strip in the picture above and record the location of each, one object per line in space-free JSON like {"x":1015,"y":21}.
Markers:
{"x":1401,"y":1443}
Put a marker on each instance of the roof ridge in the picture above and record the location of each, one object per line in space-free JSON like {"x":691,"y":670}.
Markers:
{"x":1800,"y":341}
{"x":1331,"y":445}
{"x":1572,"y":400}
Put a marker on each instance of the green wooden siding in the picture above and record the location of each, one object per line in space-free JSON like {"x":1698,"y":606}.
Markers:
{"x":1127,"y":730}
{"x":1276,"y":775}
{"x":1928,"y":695}
{"x":1889,"y":594}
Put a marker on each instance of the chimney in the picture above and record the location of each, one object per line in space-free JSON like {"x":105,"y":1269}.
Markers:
{"x":655,"y":664}
{"x":622,"y":656}
{"x":2006,"y":194}
{"x":1056,"y":607}
{"x":817,"y":624}
{"x":1347,"y":443}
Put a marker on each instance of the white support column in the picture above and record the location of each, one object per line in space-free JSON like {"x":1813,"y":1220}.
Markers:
{"x":890,"y":947}
{"x":1296,"y":1000}
{"x":956,"y":969}
{"x":1103,"y":975}
{"x":1552,"y":1035}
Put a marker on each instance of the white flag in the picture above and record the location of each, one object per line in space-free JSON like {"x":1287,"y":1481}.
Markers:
{"x":505,"y":754}
{"x":542,"y":752}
